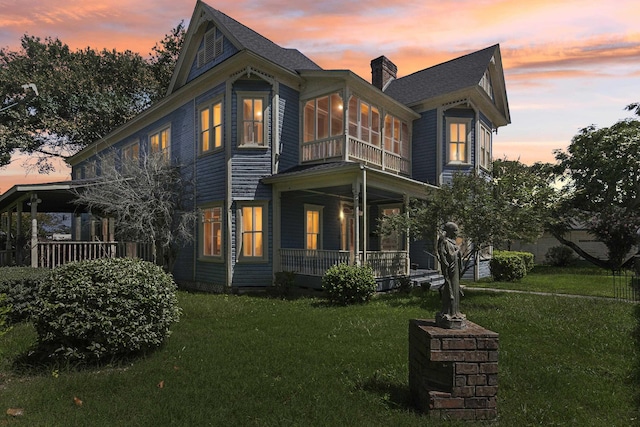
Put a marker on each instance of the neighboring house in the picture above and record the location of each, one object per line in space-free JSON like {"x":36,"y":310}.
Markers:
{"x":293,"y":164}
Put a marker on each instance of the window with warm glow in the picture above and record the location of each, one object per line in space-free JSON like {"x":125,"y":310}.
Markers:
{"x":211,"y":127}
{"x":159,"y":142}
{"x":131,"y":152}
{"x":323,"y":117}
{"x":396,"y":136}
{"x":313,"y":226}
{"x":364,"y":121}
{"x":458,"y":140}
{"x":252,"y":122}
{"x":252,"y":231}
{"x":212,"y":232}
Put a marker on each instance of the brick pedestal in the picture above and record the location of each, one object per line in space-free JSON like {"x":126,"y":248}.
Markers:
{"x":453,"y":373}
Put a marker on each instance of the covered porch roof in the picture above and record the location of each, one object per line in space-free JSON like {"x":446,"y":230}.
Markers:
{"x":53,"y":196}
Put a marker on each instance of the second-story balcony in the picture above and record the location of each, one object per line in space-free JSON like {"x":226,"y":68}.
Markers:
{"x":349,"y":148}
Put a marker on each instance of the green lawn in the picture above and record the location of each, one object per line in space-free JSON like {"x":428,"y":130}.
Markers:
{"x":589,"y":281}
{"x":241,"y":360}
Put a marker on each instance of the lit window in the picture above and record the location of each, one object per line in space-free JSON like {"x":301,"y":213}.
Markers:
{"x":211,"y":127}
{"x":252,"y":232}
{"x":396,"y":136}
{"x":252,"y":121}
{"x":364,"y":121}
{"x":323,"y":117}
{"x":313,"y":226}
{"x":131,"y":151}
{"x":212,"y":231}
{"x":458,"y":138}
{"x":160,"y":142}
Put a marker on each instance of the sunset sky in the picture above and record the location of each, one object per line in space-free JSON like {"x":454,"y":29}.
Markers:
{"x":568,"y":64}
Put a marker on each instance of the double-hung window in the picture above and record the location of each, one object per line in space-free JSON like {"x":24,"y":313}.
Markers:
{"x":253,"y":229}
{"x":211,"y":127}
{"x":458,"y":136}
{"x":313,"y":227}
{"x":212,"y":231}
{"x":160,"y":142}
{"x":485,"y":147}
{"x":251,"y":116}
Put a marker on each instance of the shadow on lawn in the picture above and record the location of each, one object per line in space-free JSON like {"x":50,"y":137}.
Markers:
{"x":394,"y":394}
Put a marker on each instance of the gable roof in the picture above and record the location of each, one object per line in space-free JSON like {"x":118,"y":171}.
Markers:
{"x":244,"y":37}
{"x":451,"y":76}
{"x":241,"y":36}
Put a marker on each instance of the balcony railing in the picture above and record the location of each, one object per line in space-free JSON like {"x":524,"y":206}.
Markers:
{"x":332,"y":149}
{"x":315,"y":263}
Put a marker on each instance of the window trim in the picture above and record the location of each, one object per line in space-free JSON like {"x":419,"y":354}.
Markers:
{"x":240,"y":257}
{"x":484,"y":131}
{"x":158,"y":131}
{"x":240,"y":98}
{"x":201,"y":233}
{"x":467,"y":156}
{"x":211,"y":129}
{"x":319,"y":243}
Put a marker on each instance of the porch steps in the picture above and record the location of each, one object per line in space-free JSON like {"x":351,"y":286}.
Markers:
{"x":427,"y":278}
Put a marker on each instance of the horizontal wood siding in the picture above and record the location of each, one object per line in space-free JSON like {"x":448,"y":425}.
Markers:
{"x":289,"y":131}
{"x":423,"y":148}
{"x":292,"y":223}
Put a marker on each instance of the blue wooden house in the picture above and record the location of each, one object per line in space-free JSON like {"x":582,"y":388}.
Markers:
{"x":294,"y":164}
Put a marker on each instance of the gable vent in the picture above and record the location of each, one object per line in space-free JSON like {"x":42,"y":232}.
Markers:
{"x":212,"y":47}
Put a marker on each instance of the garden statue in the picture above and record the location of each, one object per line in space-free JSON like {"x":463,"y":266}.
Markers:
{"x":450,"y":259}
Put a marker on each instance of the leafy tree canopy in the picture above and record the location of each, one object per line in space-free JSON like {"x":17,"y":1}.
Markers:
{"x":82,"y":94}
{"x":601,"y":170}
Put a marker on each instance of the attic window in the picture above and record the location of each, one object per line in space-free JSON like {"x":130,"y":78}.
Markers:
{"x":485,"y":83}
{"x":211,"y":48}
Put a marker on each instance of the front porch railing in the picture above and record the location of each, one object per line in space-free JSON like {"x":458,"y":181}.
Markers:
{"x":53,"y":254}
{"x":315,"y":263}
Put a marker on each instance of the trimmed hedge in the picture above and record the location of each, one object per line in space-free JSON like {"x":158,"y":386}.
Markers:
{"x":349,"y":284}
{"x":20,"y":284}
{"x":507,"y":266}
{"x":92,"y":310}
{"x":527,"y":259}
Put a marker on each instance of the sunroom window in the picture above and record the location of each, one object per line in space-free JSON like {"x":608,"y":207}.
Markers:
{"x":364,"y":121}
{"x":396,"y":136}
{"x":323,"y":117}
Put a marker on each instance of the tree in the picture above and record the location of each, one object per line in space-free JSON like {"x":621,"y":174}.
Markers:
{"x":489,"y":210}
{"x":146,"y":198}
{"x":83,"y":94}
{"x":601,"y":171}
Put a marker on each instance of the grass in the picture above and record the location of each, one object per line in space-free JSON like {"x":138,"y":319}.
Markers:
{"x":241,"y":360}
{"x":589,"y":281}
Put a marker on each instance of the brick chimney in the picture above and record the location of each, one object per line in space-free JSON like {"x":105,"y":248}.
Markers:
{"x":382,"y":71}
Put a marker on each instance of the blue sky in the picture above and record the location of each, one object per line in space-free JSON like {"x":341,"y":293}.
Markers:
{"x":568,"y":64}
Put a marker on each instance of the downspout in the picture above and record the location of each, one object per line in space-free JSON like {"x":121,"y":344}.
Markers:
{"x":196,"y":225}
{"x":228,"y":201}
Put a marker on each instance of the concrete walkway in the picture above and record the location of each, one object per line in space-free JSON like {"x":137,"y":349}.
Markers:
{"x":550,"y":294}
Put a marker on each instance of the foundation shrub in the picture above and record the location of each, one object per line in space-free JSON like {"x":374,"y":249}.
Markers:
{"x":20,"y":285}
{"x":507,"y":266}
{"x":348,"y":284}
{"x":100,"y":309}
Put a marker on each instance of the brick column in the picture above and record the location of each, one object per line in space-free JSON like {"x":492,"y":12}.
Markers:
{"x":453,"y":373}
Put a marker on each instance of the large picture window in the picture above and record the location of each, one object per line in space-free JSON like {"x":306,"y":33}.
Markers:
{"x":211,"y":127}
{"x":212,"y":231}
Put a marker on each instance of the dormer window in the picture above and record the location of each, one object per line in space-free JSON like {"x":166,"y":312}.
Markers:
{"x":211,"y":47}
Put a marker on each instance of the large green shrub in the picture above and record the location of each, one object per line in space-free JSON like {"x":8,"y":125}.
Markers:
{"x":92,"y":310}
{"x":507,"y":266}
{"x":4,"y":311}
{"x":560,"y":256}
{"x":527,"y":259}
{"x":349,"y":284}
{"x":20,"y":284}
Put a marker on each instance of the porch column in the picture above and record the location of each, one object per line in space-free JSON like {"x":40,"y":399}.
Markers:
{"x":356,"y":220}
{"x":365,"y":219}
{"x":34,"y":229}
{"x":19,"y":240}
{"x":407,"y":240}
